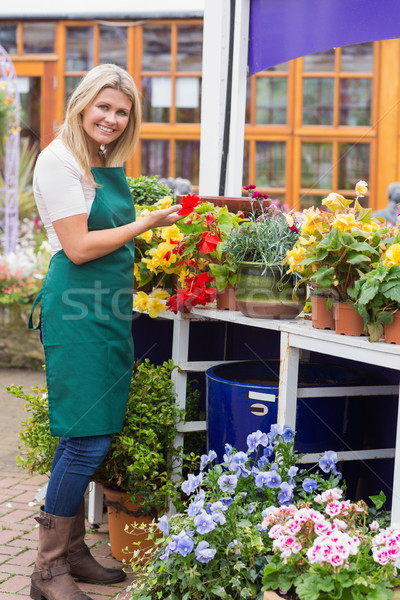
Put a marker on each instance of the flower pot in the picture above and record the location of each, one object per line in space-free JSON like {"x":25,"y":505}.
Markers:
{"x":263,"y":295}
{"x":123,"y":513}
{"x":392,"y":330}
{"x":347,"y":319}
{"x":226,"y":299}
{"x":322,"y":317}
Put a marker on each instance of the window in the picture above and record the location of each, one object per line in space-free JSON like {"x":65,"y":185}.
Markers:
{"x":8,"y":38}
{"x":39,"y":38}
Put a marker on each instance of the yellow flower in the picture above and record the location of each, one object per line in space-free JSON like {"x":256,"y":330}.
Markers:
{"x":165,"y":202}
{"x":289,"y":220}
{"x":155,"y":307}
{"x":361,"y":188}
{"x":160,"y":293}
{"x":171,"y":234}
{"x":369,"y":227}
{"x":306,"y":241}
{"x":136,"y":272}
{"x":392,"y":255}
{"x":313,"y":219}
{"x":147,"y":236}
{"x":162,"y":256}
{"x":141,"y":301}
{"x":345,"y":222}
{"x":294,"y":257}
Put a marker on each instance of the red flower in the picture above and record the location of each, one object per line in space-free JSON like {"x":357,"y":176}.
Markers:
{"x":208,"y":242}
{"x":249,"y":187}
{"x":294,"y":229}
{"x":189,"y":203}
{"x":210,"y":218}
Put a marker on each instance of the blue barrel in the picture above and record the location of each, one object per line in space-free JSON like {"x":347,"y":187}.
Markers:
{"x":243,"y":397}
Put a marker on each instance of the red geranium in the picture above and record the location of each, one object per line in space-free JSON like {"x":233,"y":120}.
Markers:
{"x":189,"y":203}
{"x":195,"y":292}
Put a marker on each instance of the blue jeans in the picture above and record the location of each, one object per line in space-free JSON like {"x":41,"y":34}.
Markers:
{"x":74,"y":463}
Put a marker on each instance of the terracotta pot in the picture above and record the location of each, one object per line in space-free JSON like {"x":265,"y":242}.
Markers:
{"x":234,"y":204}
{"x":226,"y":299}
{"x":261,"y":295}
{"x":347,"y":319}
{"x":121,"y":513}
{"x":392,"y":330}
{"x":322,"y":317}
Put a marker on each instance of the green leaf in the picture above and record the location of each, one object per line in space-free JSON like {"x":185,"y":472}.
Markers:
{"x":378,"y":500}
{"x":324,"y":277}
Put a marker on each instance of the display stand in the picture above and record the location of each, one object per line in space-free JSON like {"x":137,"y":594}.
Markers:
{"x":296,"y":335}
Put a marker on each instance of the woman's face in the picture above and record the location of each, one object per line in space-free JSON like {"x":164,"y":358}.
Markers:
{"x":105,"y":119}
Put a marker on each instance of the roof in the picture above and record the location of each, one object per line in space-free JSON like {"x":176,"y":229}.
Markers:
{"x":92,"y":9}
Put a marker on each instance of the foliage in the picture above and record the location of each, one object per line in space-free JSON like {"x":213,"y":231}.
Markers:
{"x":338,"y":245}
{"x":330,"y":552}
{"x":193,"y":251}
{"x":216,"y":549}
{"x":37,"y":446}
{"x":265,"y":236}
{"x":146,"y":191}
{"x":142,"y":456}
{"x":377,"y":293}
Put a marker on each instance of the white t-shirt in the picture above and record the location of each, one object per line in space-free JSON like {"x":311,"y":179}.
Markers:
{"x":61,"y":188}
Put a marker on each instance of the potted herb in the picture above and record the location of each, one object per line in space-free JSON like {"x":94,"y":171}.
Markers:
{"x":265,"y":286}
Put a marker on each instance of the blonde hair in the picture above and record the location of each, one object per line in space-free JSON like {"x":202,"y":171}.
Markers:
{"x":72,"y":133}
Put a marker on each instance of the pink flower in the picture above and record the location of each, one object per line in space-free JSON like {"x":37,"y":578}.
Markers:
{"x":374,"y":525}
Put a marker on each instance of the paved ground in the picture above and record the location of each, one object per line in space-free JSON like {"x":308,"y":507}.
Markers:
{"x":18,"y":529}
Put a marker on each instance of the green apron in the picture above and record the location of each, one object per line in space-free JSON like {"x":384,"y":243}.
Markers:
{"x":86,"y":323}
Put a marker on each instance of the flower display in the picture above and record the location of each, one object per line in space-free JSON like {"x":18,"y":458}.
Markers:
{"x":188,"y":260}
{"x":338,"y":244}
{"x":221,"y":545}
{"x":330,"y":552}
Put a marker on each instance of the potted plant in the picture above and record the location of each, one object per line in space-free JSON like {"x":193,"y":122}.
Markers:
{"x":221,"y":546}
{"x":377,"y":294}
{"x":192,"y":252}
{"x":141,"y":457}
{"x":265,"y":286}
{"x":336,"y":247}
{"x":146,"y":191}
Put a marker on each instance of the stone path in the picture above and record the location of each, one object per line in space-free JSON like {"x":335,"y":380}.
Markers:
{"x":18,"y":529}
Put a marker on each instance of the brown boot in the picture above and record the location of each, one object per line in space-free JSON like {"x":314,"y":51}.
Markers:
{"x":51,"y":579}
{"x":82,"y":564}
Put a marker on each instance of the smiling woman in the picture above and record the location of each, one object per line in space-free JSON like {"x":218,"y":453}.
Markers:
{"x":104,"y":120}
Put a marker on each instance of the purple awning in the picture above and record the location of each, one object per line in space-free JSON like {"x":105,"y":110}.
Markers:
{"x":281,"y":30}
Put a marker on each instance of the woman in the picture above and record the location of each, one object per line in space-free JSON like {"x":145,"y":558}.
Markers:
{"x":86,"y":314}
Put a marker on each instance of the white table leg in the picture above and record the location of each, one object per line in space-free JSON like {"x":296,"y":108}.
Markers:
{"x":395,"y":518}
{"x":288,"y":382}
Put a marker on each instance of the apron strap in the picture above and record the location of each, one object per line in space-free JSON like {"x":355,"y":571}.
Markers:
{"x":38,"y":299}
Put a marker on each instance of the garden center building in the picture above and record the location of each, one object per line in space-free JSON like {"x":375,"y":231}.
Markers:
{"x":313,"y":125}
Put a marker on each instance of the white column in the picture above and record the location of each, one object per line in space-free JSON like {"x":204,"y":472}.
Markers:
{"x":234,"y":178}
{"x":215,"y":66}
{"x":288,"y":382}
{"x":396,"y":477}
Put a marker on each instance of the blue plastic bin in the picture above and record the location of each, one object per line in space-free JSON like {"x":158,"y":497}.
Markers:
{"x":243,"y":397}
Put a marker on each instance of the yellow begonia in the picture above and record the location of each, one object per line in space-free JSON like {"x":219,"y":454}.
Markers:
{"x":165,"y":202}
{"x":160,"y":293}
{"x":141,"y":301}
{"x":392,"y":255}
{"x":345,"y":222}
{"x":361,"y":188}
{"x":171,"y":234}
{"x":294,"y":257}
{"x":313,"y":219}
{"x":146,"y":236}
{"x":307,"y":241}
{"x":369,"y":227}
{"x":155,"y":307}
{"x":289,"y":220}
{"x":136,"y":271}
{"x":161,"y":257}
